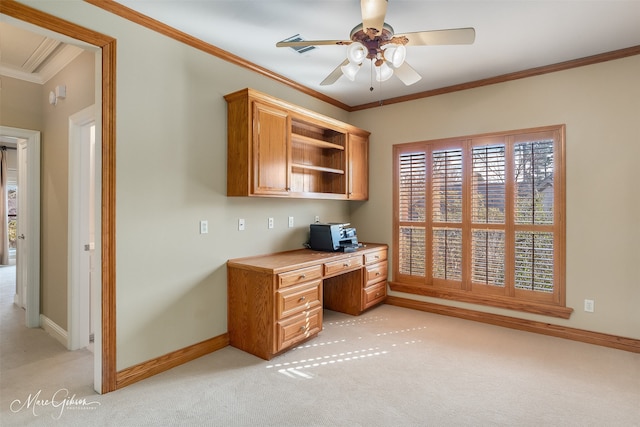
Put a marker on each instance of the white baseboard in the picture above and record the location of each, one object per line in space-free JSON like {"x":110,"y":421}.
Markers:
{"x":54,"y":330}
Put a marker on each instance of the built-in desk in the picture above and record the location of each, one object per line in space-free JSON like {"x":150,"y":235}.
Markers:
{"x":276,"y":300}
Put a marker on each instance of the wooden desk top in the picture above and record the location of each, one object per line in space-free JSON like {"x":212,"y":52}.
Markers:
{"x":290,"y":260}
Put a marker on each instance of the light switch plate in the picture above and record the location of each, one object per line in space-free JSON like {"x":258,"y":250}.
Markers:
{"x":204,"y":227}
{"x":589,"y":305}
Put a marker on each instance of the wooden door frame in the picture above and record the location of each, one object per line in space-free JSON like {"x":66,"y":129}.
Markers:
{"x":108,"y":218}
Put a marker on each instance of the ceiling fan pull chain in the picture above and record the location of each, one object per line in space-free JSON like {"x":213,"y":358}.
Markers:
{"x":371,"y":77}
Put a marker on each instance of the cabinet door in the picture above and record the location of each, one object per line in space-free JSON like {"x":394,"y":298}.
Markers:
{"x":270,"y":150}
{"x":358,"y":151}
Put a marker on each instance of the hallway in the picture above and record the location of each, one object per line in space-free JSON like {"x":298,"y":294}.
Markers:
{"x":30,"y":359}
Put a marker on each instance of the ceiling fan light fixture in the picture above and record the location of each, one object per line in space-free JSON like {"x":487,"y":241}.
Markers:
{"x":395,"y":54}
{"x":350,"y":70}
{"x":356,"y":53}
{"x":383,"y":72}
{"x":374,"y":39}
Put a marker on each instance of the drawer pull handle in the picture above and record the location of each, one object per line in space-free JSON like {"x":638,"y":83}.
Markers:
{"x":377,"y":273}
{"x":302,"y":276}
{"x":302,"y":299}
{"x":377,"y":257}
{"x":346,"y":264}
{"x":303,"y":328}
{"x":377,"y":294}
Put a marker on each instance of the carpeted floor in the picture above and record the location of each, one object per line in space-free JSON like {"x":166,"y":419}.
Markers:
{"x":389,"y":367}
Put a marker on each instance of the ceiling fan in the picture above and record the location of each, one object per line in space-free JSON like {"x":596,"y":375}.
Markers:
{"x":374,"y":40}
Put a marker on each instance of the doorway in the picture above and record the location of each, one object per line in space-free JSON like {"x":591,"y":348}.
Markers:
{"x":105,"y":374}
{"x":81,"y":240}
{"x":28,"y":227}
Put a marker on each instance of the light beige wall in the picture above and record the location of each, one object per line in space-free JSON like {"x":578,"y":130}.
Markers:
{"x":20,"y":105}
{"x":25,"y":105}
{"x":170,"y":174}
{"x":79,"y":79}
{"x":600,"y":104}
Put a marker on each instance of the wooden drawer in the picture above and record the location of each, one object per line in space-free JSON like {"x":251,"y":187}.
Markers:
{"x":302,"y":275}
{"x":377,"y":256}
{"x":298,"y":328}
{"x":374,"y":294}
{"x":345,"y":264}
{"x":293,"y":300}
{"x":376,"y":272}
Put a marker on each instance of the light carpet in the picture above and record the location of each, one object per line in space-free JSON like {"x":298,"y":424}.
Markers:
{"x":388,"y":367}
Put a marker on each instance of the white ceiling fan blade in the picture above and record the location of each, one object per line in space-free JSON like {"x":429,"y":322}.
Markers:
{"x":407,"y":74}
{"x":335,"y":75}
{"x":440,"y":37}
{"x":313,"y":43}
{"x":373,"y":14}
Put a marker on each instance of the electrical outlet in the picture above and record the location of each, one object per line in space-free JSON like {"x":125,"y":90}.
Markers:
{"x":290,"y":221}
{"x":271,"y":223}
{"x":588,"y":305}
{"x":317,"y":218}
{"x":204,"y":227}
{"x":240,"y":224}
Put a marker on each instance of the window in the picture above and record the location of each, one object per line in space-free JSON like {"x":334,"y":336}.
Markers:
{"x":481,"y":219}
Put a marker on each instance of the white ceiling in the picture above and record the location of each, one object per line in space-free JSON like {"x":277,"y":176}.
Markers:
{"x":32,"y":57}
{"x":511,"y":36}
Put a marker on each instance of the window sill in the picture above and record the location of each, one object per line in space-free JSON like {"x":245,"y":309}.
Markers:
{"x":493,"y":301}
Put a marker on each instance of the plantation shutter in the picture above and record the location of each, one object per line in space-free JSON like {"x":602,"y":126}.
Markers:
{"x":481,"y":218}
{"x":412,"y":206}
{"x":446,"y":183}
{"x":534,"y":209}
{"x":534,"y":182}
{"x":488,"y":184}
{"x":446,"y":194}
{"x":488,"y":208}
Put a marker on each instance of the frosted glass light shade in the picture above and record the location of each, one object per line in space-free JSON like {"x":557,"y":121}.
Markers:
{"x":395,"y":54}
{"x":383,"y":72}
{"x":350,"y":70}
{"x":356,"y":52}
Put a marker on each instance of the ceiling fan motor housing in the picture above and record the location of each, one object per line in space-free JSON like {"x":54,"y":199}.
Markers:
{"x":372,"y":42}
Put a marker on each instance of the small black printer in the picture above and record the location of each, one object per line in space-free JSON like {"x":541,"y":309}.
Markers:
{"x":333,"y":237}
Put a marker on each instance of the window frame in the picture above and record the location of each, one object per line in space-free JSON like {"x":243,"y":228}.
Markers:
{"x":546,"y":303}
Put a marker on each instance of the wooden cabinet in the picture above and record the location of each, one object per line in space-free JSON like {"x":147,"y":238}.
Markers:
{"x":277,"y":149}
{"x":354,"y":293}
{"x":298,"y":313}
{"x":270,"y":165}
{"x":358,"y":154}
{"x":375,"y":281}
{"x":346,"y":263}
{"x":276,"y":301}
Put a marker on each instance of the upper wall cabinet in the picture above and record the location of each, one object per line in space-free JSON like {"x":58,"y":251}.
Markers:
{"x":277,"y":149}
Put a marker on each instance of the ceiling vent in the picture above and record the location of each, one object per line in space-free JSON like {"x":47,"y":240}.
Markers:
{"x":299,"y":49}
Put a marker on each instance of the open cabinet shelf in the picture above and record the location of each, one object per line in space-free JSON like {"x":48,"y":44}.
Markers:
{"x":315,"y":142}
{"x":317,"y":168}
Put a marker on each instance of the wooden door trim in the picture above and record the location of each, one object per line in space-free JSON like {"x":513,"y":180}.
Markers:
{"x":108,"y":46}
